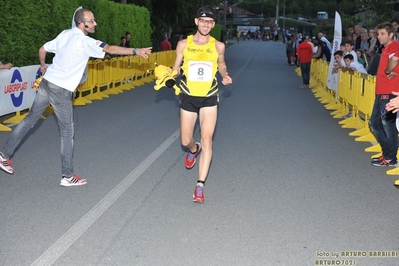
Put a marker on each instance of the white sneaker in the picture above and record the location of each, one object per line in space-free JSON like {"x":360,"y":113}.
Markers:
{"x":74,"y":180}
{"x":5,"y":164}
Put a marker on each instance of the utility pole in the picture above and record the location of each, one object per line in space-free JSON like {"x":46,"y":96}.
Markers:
{"x":284,"y":17}
{"x":277,"y":9}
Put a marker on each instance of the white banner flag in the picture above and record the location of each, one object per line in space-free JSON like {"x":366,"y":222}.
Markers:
{"x":332,"y":78}
{"x":17,"y":92}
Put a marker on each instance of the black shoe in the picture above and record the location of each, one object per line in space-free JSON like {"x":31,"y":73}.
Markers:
{"x":384,"y":162}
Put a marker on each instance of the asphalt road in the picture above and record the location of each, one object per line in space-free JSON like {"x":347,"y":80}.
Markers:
{"x":287,"y":185}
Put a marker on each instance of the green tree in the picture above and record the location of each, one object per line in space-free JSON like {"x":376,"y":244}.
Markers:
{"x":27,"y":25}
{"x":24,"y":30}
{"x":373,"y":12}
{"x":172,"y":14}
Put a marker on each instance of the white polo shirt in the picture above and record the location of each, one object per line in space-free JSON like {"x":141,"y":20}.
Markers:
{"x":358,"y":67}
{"x":72,"y":50}
{"x":354,"y":55}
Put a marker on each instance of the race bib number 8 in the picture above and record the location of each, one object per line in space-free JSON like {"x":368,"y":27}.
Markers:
{"x":200,"y":71}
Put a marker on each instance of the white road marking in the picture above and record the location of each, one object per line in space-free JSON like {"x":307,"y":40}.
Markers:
{"x":73,"y":234}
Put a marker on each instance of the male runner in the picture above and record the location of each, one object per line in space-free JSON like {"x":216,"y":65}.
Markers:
{"x":203,"y":57}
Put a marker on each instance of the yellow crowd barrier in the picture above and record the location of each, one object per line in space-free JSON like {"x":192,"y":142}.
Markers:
{"x":106,"y":77}
{"x":355,"y":94}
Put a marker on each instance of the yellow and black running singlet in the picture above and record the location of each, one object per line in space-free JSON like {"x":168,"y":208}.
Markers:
{"x":199,"y":68}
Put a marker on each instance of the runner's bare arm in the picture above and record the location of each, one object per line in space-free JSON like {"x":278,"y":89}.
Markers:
{"x":222,"y":68}
{"x":179,"y":55}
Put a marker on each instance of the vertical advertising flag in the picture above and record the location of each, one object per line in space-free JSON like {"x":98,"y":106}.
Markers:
{"x":332,"y":78}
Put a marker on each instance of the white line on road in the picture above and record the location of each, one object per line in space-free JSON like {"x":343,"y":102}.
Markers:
{"x":73,"y":234}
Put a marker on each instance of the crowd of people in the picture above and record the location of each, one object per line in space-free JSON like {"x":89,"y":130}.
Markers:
{"x":244,"y":34}
{"x":373,"y":52}
{"x":320,"y":45}
{"x":361,"y":43}
{"x":359,"y":51}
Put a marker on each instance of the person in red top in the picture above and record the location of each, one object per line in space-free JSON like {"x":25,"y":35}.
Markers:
{"x":304,"y":52}
{"x":165,"y":45}
{"x":383,"y":121}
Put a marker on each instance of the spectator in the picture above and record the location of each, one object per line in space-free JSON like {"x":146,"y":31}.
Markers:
{"x":339,"y":61}
{"x":309,"y":40}
{"x":395,"y":24}
{"x":295,"y":42}
{"x":290,"y":51}
{"x":353,"y":65}
{"x":304,"y":52}
{"x":73,"y":48}
{"x":342,"y":48}
{"x":364,"y":44}
{"x":298,"y":40}
{"x":350,"y":31}
{"x":128,"y":36}
{"x":372,"y":40}
{"x":322,"y":38}
{"x":5,"y":66}
{"x":356,"y":40}
{"x":123,"y":42}
{"x":361,"y":58}
{"x":258,"y":35}
{"x":244,"y":34}
{"x":349,"y":49}
{"x":322,"y":51}
{"x":375,"y":55}
{"x":317,"y":48}
{"x":284,"y":37}
{"x":275,"y":35}
{"x":165,"y":45}
{"x":349,"y":37}
{"x":383,"y":121}
{"x":315,"y":45}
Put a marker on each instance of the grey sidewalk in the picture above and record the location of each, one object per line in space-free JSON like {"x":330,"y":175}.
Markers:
{"x":287,"y":185}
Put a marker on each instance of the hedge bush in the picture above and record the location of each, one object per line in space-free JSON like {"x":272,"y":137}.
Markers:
{"x":27,"y":25}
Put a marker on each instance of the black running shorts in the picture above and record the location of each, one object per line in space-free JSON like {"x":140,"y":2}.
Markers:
{"x":194,"y":104}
